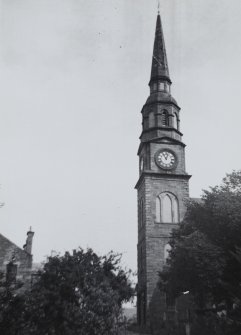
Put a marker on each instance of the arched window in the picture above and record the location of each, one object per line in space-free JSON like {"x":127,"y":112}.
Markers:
{"x":141,"y":212}
{"x":145,"y":122}
{"x":175,"y":210}
{"x":158,"y":210}
{"x":158,"y":119}
{"x":166,"y":214}
{"x":167,"y":209}
{"x":151,"y":120}
{"x":161,"y":86}
{"x":141,"y":165}
{"x":164,"y":119}
{"x":175,"y":121}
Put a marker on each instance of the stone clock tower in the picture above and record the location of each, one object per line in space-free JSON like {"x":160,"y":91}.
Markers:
{"x":163,"y":181}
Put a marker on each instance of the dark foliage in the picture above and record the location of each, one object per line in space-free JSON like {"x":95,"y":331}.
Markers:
{"x":74,"y":294}
{"x":205,"y":258}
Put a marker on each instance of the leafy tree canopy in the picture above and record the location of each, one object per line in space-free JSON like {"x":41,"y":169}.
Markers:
{"x":205,"y":255}
{"x":79,"y":293}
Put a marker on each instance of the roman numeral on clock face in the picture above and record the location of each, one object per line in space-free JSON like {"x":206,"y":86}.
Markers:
{"x":165,"y":159}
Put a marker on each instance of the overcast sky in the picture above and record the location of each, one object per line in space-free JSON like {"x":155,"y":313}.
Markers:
{"x":74,"y":76}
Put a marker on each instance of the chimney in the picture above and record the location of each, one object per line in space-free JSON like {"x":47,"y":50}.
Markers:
{"x":28,"y":246}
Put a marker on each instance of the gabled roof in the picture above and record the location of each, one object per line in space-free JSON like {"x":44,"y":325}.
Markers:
{"x":8,"y":249}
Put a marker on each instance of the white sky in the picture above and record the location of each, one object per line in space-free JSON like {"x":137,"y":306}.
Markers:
{"x":74,"y":76}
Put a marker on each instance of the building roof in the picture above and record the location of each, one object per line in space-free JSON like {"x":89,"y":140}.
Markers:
{"x":10,"y":251}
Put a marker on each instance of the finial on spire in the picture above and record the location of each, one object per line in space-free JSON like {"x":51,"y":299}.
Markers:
{"x":158,"y":7}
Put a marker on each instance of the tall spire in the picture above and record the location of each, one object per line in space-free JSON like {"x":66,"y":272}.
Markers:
{"x":159,"y":68}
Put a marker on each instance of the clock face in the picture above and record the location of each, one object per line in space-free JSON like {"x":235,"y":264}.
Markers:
{"x":165,"y":159}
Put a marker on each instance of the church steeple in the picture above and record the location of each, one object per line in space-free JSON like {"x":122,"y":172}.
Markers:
{"x":162,"y":185}
{"x":159,"y":70}
{"x":160,"y":82}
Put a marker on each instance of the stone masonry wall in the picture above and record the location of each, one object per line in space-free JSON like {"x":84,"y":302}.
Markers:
{"x":8,"y":250}
{"x":157,"y":234}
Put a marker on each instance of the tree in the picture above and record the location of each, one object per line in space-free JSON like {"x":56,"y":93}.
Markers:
{"x":79,"y":293}
{"x":205,"y":255}
{"x":9,"y":287}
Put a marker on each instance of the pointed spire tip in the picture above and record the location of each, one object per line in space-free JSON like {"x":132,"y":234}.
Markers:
{"x":159,"y":60}
{"x":158,"y":7}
